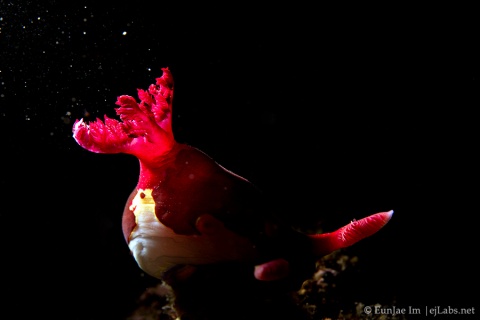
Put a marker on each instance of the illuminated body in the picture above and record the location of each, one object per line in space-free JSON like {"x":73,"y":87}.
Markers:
{"x":187,"y":209}
{"x":157,"y":248}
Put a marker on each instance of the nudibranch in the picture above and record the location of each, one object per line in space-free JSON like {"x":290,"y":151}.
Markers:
{"x":188,"y":210}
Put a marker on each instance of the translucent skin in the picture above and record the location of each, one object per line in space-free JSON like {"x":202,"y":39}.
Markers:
{"x":204,"y":212}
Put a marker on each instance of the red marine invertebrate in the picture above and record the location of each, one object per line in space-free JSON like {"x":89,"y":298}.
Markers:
{"x":188,"y":211}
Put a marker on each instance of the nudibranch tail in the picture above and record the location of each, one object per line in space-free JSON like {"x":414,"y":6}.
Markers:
{"x":348,"y":235}
{"x":144,"y":129}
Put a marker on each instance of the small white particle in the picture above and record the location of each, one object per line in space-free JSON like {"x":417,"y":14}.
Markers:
{"x":124,"y":33}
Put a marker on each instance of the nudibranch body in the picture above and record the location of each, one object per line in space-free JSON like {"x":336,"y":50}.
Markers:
{"x":187,"y":209}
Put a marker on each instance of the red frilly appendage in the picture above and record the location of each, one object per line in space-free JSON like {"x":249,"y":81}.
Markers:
{"x":144,"y":129}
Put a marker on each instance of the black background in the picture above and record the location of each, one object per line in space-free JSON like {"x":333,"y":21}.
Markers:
{"x":338,"y":113}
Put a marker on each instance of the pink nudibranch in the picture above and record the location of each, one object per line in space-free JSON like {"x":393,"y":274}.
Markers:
{"x":187,"y":209}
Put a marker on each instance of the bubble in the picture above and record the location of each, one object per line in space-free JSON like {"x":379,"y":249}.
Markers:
{"x":66,"y":120}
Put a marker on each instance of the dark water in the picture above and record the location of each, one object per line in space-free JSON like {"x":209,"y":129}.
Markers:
{"x":335,"y":113}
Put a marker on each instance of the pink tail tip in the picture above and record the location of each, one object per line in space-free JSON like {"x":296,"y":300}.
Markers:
{"x":350,"y":234}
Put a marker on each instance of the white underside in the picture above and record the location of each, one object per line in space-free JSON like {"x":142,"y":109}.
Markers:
{"x":157,"y":248}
